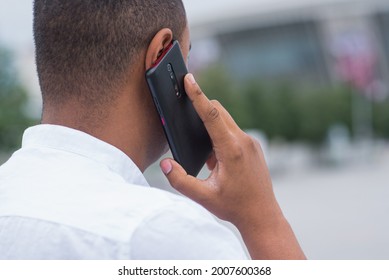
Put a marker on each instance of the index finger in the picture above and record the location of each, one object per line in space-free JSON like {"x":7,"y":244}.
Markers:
{"x":208,"y":112}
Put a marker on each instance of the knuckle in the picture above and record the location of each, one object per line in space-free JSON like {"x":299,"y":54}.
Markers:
{"x":213,"y":114}
{"x":236,"y":151}
{"x":177,"y":181}
{"x":216,"y":103}
{"x":250,"y":142}
{"x":198,"y":90}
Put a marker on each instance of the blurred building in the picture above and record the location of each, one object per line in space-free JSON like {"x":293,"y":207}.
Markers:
{"x":310,"y":42}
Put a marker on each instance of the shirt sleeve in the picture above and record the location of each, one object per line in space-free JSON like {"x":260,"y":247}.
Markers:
{"x":184,"y":232}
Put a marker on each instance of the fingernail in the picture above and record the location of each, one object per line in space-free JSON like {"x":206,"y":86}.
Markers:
{"x":191,"y":79}
{"x":166,"y":167}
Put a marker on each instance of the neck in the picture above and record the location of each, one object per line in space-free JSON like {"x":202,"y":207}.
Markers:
{"x":128,"y":124}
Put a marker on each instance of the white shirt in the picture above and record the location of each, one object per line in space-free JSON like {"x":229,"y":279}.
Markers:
{"x":68,"y":195}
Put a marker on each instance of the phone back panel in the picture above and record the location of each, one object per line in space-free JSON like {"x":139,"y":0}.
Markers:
{"x":187,"y":137}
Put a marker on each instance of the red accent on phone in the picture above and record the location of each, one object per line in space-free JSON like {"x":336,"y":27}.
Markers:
{"x":162,"y":55}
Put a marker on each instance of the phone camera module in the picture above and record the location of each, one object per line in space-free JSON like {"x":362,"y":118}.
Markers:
{"x":173,"y":78}
{"x":178,"y":93}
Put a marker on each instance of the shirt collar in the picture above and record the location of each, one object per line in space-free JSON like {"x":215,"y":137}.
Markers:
{"x":80,"y":143}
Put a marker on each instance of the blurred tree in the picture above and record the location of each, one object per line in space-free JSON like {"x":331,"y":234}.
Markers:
{"x":381,"y":119}
{"x":320,"y":109}
{"x":284,"y":110}
{"x":13,"y":100}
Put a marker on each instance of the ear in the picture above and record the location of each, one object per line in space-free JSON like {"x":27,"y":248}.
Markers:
{"x":157,"y":45}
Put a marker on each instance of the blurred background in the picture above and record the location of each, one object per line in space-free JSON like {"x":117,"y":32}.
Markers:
{"x":308,"y":78}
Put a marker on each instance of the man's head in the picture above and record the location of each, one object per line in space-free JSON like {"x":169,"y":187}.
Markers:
{"x":91,"y":59}
{"x":85,"y":48}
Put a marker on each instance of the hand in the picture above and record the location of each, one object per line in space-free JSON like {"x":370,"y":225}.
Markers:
{"x":239,"y":188}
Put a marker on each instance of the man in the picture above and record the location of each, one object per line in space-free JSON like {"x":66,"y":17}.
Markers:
{"x":75,"y":189}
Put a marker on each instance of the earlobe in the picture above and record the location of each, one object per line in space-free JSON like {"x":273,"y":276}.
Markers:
{"x":157,"y":45}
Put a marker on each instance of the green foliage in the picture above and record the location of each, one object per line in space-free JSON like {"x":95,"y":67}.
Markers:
{"x":13,"y":100}
{"x":285,"y":110}
{"x":381,"y":119}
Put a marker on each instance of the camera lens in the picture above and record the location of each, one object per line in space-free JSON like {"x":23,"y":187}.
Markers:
{"x":178,"y":93}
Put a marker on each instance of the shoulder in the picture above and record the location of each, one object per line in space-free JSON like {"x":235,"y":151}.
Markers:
{"x":182,"y":229}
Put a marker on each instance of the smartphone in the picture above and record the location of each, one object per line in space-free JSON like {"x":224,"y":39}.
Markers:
{"x":188,"y":139}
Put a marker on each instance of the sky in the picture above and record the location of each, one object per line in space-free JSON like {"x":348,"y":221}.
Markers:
{"x":16,"y":23}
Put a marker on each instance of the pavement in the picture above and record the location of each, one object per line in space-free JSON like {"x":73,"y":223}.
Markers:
{"x":339,"y":213}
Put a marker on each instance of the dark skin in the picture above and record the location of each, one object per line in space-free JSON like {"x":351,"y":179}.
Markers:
{"x":131,"y":123}
{"x":239,"y":188}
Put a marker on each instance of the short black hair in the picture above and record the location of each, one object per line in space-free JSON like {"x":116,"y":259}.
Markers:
{"x":85,"y":47}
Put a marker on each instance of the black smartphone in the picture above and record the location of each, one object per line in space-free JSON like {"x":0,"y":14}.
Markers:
{"x":188,"y":139}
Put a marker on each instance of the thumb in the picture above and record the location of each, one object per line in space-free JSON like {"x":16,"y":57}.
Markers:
{"x":186,"y":184}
